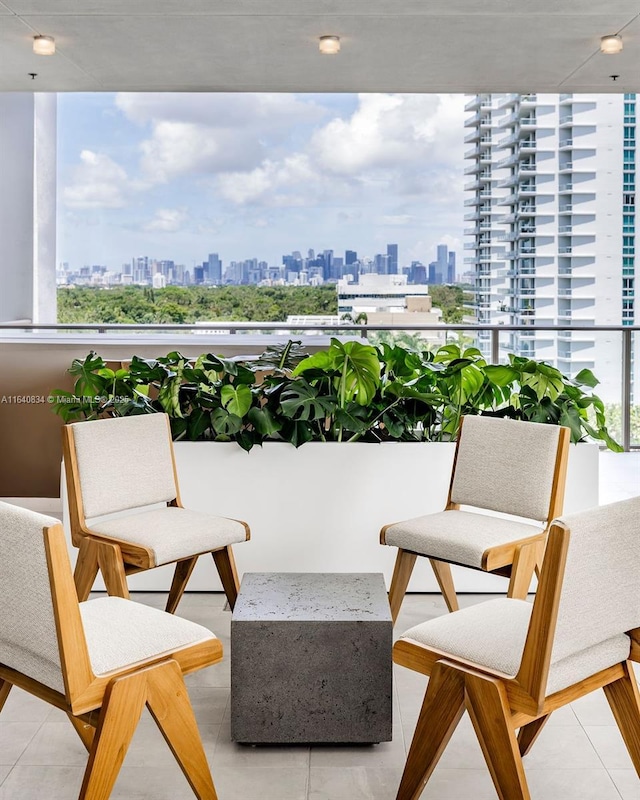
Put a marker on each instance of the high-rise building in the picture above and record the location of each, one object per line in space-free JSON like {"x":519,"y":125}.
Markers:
{"x":451,"y":267}
{"x":551,"y":201}
{"x":215,"y":269}
{"x":392,"y":255}
{"x":350,"y":257}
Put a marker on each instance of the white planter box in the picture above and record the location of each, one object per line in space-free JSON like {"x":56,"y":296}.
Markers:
{"x":320,"y":508}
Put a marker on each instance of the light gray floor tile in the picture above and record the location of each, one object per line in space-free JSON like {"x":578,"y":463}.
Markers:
{"x":562,"y":747}
{"x":563,"y":716}
{"x":152,"y":783}
{"x":627,"y":783}
{"x":463,"y":751}
{"x":4,"y":771}
{"x":384,"y":755}
{"x":14,"y":738}
{"x":261,"y":783}
{"x":609,"y":746}
{"x":456,"y":784}
{"x":571,"y":784}
{"x":149,"y":749}
{"x":24,"y":707}
{"x":593,"y":709}
{"x":231,"y":754}
{"x":55,"y":744}
{"x":353,"y":783}
{"x":209,"y":704}
{"x":42,"y":783}
{"x":219,"y":675}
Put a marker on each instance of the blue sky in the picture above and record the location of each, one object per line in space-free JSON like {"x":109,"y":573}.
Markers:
{"x":177,"y":176}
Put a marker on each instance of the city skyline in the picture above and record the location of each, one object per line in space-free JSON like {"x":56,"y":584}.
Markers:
{"x":183,"y":175}
{"x":310,"y":266}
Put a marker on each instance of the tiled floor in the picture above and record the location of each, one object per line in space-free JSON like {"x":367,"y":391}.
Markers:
{"x":579,"y":755}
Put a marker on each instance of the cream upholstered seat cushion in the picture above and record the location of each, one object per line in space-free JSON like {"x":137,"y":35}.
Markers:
{"x":121,"y":632}
{"x":492,"y":635}
{"x":173,"y":533}
{"x":458,"y":536}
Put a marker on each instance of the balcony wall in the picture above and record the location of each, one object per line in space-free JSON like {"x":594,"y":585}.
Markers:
{"x":30,"y":438}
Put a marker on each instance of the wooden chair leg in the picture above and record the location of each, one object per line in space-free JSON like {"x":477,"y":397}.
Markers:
{"x":111,"y":566}
{"x":5,"y":688}
{"x":624,"y":700}
{"x":490,"y":714}
{"x":168,"y":702}
{"x":179,"y":583}
{"x":440,"y":714}
{"x":86,"y":569}
{"x":123,"y":702}
{"x":84,"y":731}
{"x":528,"y":734}
{"x":401,"y":574}
{"x":527,"y":557}
{"x":226,"y":566}
{"x":442,"y":571}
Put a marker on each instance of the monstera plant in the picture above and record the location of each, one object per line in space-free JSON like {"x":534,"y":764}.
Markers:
{"x":349,"y":391}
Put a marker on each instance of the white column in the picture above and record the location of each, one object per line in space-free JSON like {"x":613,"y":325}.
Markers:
{"x":27,"y":207}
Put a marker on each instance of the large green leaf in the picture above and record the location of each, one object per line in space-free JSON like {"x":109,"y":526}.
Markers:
{"x":264,"y":421}
{"x":301,"y":401}
{"x":225,"y":423}
{"x":236,"y":399}
{"x":586,"y":378}
{"x":323,"y":360}
{"x":89,"y":381}
{"x":500,"y":374}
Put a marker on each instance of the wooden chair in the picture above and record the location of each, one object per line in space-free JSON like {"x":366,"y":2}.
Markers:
{"x":501,"y":465}
{"x":511,"y":663}
{"x":99,"y":661}
{"x":126,"y":465}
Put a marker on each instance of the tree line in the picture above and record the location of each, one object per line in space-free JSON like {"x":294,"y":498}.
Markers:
{"x":138,"y":305}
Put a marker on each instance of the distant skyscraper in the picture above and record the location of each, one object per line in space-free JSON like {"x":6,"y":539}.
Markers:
{"x":451,"y":267}
{"x":381,"y":264}
{"x":215,"y":269}
{"x":392,"y":253}
{"x":350,"y":257}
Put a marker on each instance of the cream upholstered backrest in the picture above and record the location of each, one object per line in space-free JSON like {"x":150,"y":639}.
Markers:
{"x":123,"y":463}
{"x":600,"y":596}
{"x":506,"y":465}
{"x":28,"y":639}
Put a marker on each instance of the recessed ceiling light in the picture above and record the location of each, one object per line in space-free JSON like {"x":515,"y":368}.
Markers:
{"x":329,"y":45}
{"x":611,"y":44}
{"x":44,"y":45}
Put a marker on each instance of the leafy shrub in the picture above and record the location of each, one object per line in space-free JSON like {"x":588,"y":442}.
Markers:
{"x":348,"y":392}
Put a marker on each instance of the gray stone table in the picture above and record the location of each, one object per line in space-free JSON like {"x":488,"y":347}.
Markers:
{"x":311,"y":659}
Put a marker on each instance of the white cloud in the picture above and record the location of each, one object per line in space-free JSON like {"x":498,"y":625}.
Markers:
{"x":392,"y":132}
{"x":288,"y":182}
{"x":167,"y":220}
{"x":399,"y":220}
{"x":205,"y":134}
{"x":391,"y":146}
{"x":97,"y":182}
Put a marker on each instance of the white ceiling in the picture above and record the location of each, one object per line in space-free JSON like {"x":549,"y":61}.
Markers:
{"x":271,"y":45}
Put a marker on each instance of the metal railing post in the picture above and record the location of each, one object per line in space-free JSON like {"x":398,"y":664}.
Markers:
{"x":625,"y":422}
{"x":495,"y":345}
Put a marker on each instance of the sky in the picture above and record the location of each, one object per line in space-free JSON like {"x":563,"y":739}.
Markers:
{"x":179,"y":176}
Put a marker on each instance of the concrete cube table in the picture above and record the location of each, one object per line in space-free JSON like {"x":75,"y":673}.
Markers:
{"x":311,"y":659}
